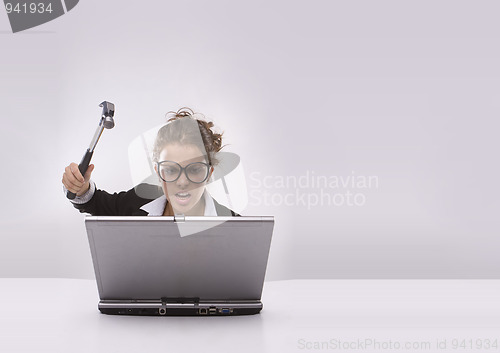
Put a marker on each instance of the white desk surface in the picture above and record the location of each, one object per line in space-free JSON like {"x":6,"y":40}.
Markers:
{"x":60,"y":315}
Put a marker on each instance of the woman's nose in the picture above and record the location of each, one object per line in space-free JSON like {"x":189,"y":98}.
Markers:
{"x":183,"y":180}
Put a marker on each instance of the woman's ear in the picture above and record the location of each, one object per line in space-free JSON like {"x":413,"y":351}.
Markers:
{"x":210,"y":171}
{"x":157,"y":175}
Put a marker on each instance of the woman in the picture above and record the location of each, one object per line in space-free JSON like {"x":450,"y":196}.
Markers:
{"x":184,"y":155}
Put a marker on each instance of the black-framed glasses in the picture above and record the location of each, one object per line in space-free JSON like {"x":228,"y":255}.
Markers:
{"x":170,"y":171}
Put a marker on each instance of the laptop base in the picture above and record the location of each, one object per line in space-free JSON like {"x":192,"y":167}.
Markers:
{"x":179,"y":309}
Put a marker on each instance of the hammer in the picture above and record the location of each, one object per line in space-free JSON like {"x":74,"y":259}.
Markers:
{"x":106,"y":122}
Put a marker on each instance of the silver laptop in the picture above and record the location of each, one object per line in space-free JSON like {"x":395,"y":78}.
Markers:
{"x":180,"y":265}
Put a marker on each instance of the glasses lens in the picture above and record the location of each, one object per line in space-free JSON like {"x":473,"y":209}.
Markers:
{"x":197,"y":172}
{"x":169,"y":171}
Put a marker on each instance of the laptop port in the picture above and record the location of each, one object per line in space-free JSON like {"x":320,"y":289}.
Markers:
{"x":162,"y":311}
{"x":212,"y":310}
{"x":225,"y":311}
{"x":202,"y":311}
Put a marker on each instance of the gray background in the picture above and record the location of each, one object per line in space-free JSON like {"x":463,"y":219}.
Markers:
{"x":408,"y":91}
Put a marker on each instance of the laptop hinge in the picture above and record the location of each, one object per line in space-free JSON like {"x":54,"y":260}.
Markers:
{"x":179,"y":218}
{"x":181,"y":300}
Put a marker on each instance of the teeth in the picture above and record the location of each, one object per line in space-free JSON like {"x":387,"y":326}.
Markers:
{"x":182,"y":195}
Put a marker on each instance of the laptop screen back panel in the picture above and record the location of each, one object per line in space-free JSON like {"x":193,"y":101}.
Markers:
{"x":146,"y":258}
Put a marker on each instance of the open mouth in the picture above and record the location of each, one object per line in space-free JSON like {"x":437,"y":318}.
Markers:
{"x":183,"y":197}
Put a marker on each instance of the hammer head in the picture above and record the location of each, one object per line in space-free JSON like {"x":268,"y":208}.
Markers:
{"x":108,"y":112}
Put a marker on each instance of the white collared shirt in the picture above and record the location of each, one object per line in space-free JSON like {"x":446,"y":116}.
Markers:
{"x":157,"y":206}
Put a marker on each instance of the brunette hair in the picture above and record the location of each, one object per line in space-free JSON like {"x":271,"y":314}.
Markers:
{"x":185,"y":127}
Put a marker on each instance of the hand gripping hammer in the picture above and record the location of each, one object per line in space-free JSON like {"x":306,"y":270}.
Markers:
{"x":106,"y":122}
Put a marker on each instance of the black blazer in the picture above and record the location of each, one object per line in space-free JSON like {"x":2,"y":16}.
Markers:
{"x":129,"y":203}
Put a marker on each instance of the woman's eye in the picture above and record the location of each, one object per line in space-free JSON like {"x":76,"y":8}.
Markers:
{"x":171,"y":170}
